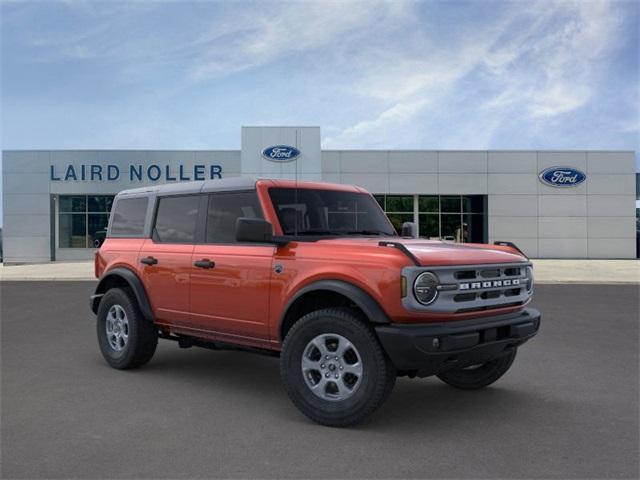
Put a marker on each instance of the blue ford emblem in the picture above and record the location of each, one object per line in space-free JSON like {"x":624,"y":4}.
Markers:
{"x":281,"y":153}
{"x":562,"y":177}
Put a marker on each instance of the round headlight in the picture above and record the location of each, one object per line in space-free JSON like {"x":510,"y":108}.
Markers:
{"x":425,"y":288}
{"x":529,"y":279}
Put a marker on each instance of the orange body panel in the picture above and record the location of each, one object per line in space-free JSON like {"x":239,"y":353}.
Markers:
{"x":242,"y":300}
{"x":231,"y":300}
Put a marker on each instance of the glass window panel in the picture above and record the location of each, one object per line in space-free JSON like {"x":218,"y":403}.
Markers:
{"x":97,"y":228}
{"x":429,"y":226}
{"x":380,"y":200}
{"x":477,"y":228}
{"x":129,"y":216}
{"x":399,"y":204}
{"x":100,"y":203}
{"x":451,"y":226}
{"x":72,"y":203}
{"x":176,"y":219}
{"x":224,"y":209}
{"x":474,"y":204}
{"x":428,"y":204}
{"x":327,"y":212}
{"x":397,"y":219}
{"x":451,"y":204}
{"x":72,"y":229}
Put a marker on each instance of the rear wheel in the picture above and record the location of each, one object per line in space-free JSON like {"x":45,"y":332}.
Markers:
{"x":481,"y":375}
{"x":126,"y":338}
{"x":334,"y":368}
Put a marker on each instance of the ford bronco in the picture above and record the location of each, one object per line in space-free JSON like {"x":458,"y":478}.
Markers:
{"x":314,"y":273}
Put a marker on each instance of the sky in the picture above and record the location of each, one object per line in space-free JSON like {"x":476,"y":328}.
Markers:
{"x":373,"y":74}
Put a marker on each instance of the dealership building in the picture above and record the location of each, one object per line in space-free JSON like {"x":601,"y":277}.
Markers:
{"x":552,"y":204}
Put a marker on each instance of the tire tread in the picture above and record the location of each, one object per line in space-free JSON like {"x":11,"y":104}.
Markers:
{"x":382,"y":389}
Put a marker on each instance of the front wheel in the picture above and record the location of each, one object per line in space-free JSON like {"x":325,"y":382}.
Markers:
{"x":479,"y":376}
{"x":334,"y":368}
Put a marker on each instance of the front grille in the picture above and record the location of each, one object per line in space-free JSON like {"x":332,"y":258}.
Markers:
{"x":471,"y":288}
{"x":464,"y":297}
{"x":490,"y":273}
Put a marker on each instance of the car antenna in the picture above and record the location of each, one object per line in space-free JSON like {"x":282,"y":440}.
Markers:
{"x":295,"y":194}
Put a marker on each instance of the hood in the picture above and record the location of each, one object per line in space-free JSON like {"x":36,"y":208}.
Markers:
{"x":431,"y":252}
{"x":435,"y":252}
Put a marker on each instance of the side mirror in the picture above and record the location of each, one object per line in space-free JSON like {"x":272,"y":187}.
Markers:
{"x":253,"y":230}
{"x":408,"y":229}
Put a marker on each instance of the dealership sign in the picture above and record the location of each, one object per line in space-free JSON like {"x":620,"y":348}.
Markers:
{"x":562,"y":177}
{"x":133,"y":173}
{"x":281,"y":153}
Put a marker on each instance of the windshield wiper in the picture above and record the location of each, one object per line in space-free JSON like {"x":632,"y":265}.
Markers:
{"x":368,"y":232}
{"x":318,"y":232}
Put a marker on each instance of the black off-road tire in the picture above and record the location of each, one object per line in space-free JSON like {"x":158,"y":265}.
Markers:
{"x":481,"y":376}
{"x":142,"y":334}
{"x":378,"y":373}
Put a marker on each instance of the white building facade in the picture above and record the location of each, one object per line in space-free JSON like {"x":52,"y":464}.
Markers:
{"x":552,"y":204}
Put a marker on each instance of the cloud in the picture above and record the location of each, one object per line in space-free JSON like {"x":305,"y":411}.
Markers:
{"x":257,"y":37}
{"x":398,"y":113}
{"x":540,"y":60}
{"x":550,"y":68}
{"x":229,"y":38}
{"x":394,"y":74}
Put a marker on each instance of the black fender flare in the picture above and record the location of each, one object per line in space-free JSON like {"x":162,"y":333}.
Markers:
{"x":134,"y":283}
{"x":357,"y":295}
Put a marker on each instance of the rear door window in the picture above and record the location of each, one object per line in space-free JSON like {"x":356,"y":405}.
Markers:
{"x":128,"y":217}
{"x":176,"y":219}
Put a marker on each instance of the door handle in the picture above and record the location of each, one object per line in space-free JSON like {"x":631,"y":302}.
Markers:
{"x":149,"y":260}
{"x":204,"y":263}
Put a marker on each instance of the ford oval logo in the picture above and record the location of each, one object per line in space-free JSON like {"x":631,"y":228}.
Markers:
{"x":281,"y":153}
{"x":562,"y":177}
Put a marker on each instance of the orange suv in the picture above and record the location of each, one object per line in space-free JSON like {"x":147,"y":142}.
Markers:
{"x":314,"y":273}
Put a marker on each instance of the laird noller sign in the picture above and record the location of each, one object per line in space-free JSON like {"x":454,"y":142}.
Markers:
{"x":134,"y":173}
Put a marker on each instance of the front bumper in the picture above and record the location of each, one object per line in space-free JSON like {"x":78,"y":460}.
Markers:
{"x":430,"y":349}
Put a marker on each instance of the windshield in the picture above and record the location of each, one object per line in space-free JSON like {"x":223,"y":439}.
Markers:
{"x":327,"y":212}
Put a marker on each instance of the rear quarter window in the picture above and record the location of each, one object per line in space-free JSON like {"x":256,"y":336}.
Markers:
{"x":129,"y":216}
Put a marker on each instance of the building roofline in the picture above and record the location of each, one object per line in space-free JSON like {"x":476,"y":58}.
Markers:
{"x":226,"y":150}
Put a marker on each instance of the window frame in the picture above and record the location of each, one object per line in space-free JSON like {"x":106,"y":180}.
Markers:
{"x":418,"y":213}
{"x":86,"y":213}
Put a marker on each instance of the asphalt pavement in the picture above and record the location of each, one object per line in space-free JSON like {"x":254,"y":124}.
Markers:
{"x":568,"y":408}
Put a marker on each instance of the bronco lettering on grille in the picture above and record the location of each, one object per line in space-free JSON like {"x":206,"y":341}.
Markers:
{"x":489,"y":284}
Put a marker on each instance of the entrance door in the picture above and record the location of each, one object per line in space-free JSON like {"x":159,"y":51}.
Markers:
{"x":230,"y":281}
{"x":165,"y":259}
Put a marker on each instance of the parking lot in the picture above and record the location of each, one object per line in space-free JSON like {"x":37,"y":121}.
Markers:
{"x":567,"y":409}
